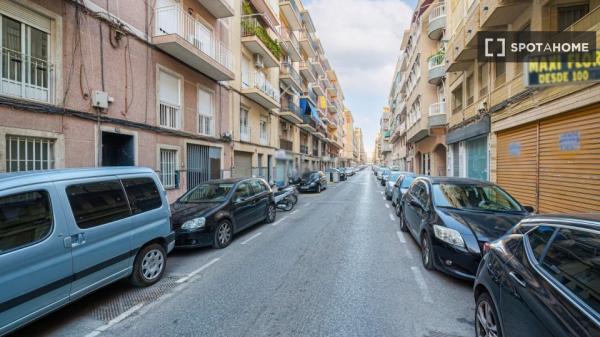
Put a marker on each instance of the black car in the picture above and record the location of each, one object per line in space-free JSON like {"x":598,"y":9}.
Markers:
{"x":400,"y":188}
{"x":543,"y":280}
{"x":313,"y":181}
{"x":453,"y":218}
{"x":212,"y":212}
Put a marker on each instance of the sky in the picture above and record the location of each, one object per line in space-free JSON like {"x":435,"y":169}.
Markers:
{"x":362,"y":39}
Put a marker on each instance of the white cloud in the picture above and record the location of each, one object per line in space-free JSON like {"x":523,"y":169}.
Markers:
{"x":362,"y":39}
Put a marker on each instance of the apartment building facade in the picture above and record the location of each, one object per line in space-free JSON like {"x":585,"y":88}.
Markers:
{"x":540,"y":144}
{"x":175,"y":85}
{"x":360,"y":146}
{"x":385,"y":146}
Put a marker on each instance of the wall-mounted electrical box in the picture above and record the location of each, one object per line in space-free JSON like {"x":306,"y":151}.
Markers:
{"x":100,"y":99}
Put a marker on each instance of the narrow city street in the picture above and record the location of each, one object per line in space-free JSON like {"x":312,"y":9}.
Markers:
{"x":334,"y":266}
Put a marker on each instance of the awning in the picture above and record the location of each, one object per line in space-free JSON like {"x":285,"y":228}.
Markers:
{"x":308,"y":108}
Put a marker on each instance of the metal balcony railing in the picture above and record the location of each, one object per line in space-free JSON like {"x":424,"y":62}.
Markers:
{"x":437,"y":109}
{"x":311,"y":94}
{"x":437,"y":12}
{"x":174,"y":20}
{"x":258,"y":80}
{"x":251,"y":26}
{"x":245,"y":133}
{"x":304,"y":149}
{"x":285,"y":144}
{"x":289,"y":36}
{"x":288,"y":69}
{"x":25,"y":76}
{"x":295,"y":7}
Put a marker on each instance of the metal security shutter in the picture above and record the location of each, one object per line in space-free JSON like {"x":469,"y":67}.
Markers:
{"x":25,"y":15}
{"x":198,"y":165}
{"x":242,"y":164}
{"x":517,"y":163}
{"x":570,"y":162}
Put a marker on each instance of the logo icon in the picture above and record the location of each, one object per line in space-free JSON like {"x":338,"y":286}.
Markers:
{"x":500,"y":41}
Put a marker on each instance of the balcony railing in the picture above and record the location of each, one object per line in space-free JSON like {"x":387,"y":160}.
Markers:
{"x":264,"y":138}
{"x":311,"y":95}
{"x":245,"y":133}
{"x":289,"y":36}
{"x":437,"y":21}
{"x":25,"y":76}
{"x":285,"y":144}
{"x":289,"y":70}
{"x":315,"y":152}
{"x":251,"y":26}
{"x":436,"y":67}
{"x":289,"y":105}
{"x":304,"y":149}
{"x":174,"y":20}
{"x":258,"y":80}
{"x":437,"y":108}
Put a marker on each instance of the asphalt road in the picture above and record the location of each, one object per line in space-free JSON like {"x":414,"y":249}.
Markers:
{"x":336,"y":265}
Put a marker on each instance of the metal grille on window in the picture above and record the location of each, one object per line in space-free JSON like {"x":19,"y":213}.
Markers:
{"x":169,"y":102}
{"x":169,"y":115}
{"x":29,"y":153}
{"x":168,"y":164}
{"x":205,"y":111}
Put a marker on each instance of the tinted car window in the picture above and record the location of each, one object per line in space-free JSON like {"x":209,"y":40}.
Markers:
{"x":538,"y":240}
{"x":142,"y":194}
{"x":573,"y":260}
{"x":25,"y":218}
{"x":423,"y":196}
{"x":407,"y":181}
{"x":257,"y":187}
{"x":476,"y":197}
{"x":243,"y":190}
{"x":208,"y":192}
{"x":95,"y":204}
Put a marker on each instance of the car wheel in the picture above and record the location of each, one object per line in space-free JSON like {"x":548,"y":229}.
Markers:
{"x":486,"y":317}
{"x":271,"y":212}
{"x":426,"y":251}
{"x":388,"y":197}
{"x":288,"y":204}
{"x":149,"y":265}
{"x":398,"y":211}
{"x":403,"y":226}
{"x":223,"y":234}
{"x":319,"y":188}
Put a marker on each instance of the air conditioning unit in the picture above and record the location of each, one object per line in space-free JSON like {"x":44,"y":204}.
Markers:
{"x":259,"y":61}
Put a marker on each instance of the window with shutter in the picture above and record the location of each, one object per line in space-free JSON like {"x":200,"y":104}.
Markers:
{"x":169,"y":100}
{"x":205,"y":113}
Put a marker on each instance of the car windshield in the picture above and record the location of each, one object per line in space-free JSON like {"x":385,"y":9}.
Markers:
{"x":394,"y":176}
{"x":386,"y":172}
{"x":407,"y":181}
{"x":209,"y":192}
{"x":474,"y":197}
{"x":309,"y":175}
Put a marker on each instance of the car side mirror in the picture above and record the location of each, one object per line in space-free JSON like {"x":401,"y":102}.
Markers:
{"x":529,"y":209}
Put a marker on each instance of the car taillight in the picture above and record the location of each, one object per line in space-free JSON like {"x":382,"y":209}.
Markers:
{"x":486,"y":247}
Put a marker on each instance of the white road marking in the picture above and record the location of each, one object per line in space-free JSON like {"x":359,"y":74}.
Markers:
{"x":308,"y":203}
{"x":401,"y":237}
{"x":195,"y":272}
{"x":383,"y":198}
{"x":252,"y":238}
{"x":278,"y":222}
{"x":422,"y":285}
{"x":114,"y":321}
{"x":381,"y":192}
{"x":293,"y":212}
{"x":387,"y":206}
{"x":392,"y":217}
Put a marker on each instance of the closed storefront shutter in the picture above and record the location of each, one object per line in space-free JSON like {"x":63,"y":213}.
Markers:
{"x":570,"y":162}
{"x":477,"y":158}
{"x":517,"y":163}
{"x":242,"y":164}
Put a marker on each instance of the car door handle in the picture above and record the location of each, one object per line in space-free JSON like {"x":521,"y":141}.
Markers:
{"x":518,"y":279}
{"x":77,"y":239}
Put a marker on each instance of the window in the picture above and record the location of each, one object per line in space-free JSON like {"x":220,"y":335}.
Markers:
{"x":571,"y":14}
{"x":205,"y":113}
{"x":243,"y":190}
{"x":29,"y":153}
{"x":168,"y":168}
{"x":538,"y":240}
{"x":170,"y":100}
{"x":95,"y":204}
{"x":264,"y":132}
{"x":25,"y":68}
{"x":257,"y":187}
{"x":470,"y":89}
{"x":474,"y":196}
{"x":244,"y":127}
{"x":572,"y":261}
{"x":457,"y":99}
{"x":25,"y":218}
{"x":482,"y":79}
{"x":207,"y":192}
{"x":500,"y":73}
{"x":142,"y":194}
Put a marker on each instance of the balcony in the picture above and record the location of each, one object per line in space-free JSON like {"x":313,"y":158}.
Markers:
{"x":180,"y":35}
{"x":290,"y":111}
{"x":285,"y":144}
{"x":437,"y":115}
{"x":307,"y":43}
{"x":437,"y":22}
{"x":315,"y":152}
{"x":308,"y":123}
{"x":219,"y":8}
{"x":310,"y":95}
{"x":290,"y":10}
{"x":290,"y":77}
{"x":256,"y":87}
{"x":500,"y":12}
{"x":319,"y":88}
{"x":317,"y":66}
{"x":332,"y":107}
{"x":437,"y":68}
{"x":245,"y":133}
{"x":261,"y":40}
{"x":398,"y":131}
{"x":307,"y":71}
{"x":264,"y":138}
{"x":290,"y":44}
{"x":303,"y":149}
{"x":25,"y":76}
{"x":459,"y":57}
{"x":332,"y":91}
{"x":472,"y":27}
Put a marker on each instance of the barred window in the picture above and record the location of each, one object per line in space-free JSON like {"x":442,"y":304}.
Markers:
{"x":205,"y":112}
{"x":29,"y":153}
{"x":168,"y":165}
{"x":170,"y":101}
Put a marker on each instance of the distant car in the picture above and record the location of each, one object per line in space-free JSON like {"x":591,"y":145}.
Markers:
{"x":452,"y":219}
{"x":400,"y":188}
{"x":385,"y":175}
{"x":542,"y":280}
{"x":389,"y":185}
{"x":341,"y":174}
{"x":211,"y":213}
{"x":380,"y":171}
{"x":313,"y":181}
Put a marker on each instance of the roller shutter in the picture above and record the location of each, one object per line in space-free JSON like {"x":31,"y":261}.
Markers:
{"x":517,"y":163}
{"x":570,"y":162}
{"x":243,"y":164}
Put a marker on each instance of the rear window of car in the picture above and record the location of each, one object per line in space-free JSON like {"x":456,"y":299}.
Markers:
{"x":142,"y":194}
{"x":573,"y":260}
{"x":25,"y":218}
{"x":98,"y":203}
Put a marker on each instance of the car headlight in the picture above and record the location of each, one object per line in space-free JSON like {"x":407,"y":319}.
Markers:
{"x":312,"y":184}
{"x":448,"y":235}
{"x":197,"y":223}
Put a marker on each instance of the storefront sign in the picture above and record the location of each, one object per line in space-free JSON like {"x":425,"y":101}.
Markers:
{"x":562,"y":69}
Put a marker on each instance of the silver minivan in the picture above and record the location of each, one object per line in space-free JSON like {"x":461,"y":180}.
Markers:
{"x":66,"y":233}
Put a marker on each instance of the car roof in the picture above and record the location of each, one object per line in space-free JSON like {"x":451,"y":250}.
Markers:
{"x":588,"y":219}
{"x":455,"y":180}
{"x":16,"y":179}
{"x":230,"y":180}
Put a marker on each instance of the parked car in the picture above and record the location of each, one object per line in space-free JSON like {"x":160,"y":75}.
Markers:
{"x":380,"y":171}
{"x":313,"y":181}
{"x":339,"y":172}
{"x":66,"y":233}
{"x":391,"y":181}
{"x":385,"y":175}
{"x":453,"y":218}
{"x":375,"y":168}
{"x":211,"y":213}
{"x":542,"y":280}
{"x":400,"y":187}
